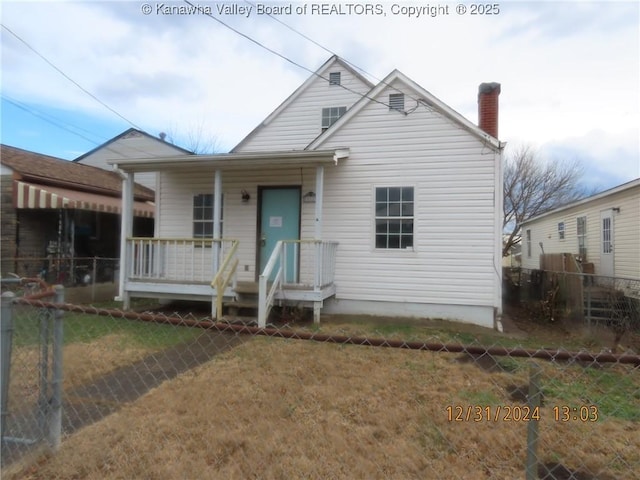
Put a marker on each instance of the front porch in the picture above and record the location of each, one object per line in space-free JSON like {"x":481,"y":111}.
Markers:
{"x":298,"y":273}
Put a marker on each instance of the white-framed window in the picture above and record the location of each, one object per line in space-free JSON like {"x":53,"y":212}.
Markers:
{"x":528,"y":239}
{"x":581,"y":233}
{"x":334,"y":78}
{"x":394,"y":217}
{"x":203,"y":215}
{"x":330,"y":115}
{"x":396,"y":101}
{"x":561,"y":230}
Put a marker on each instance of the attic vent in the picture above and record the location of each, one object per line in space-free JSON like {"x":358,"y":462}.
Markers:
{"x":334,"y":78}
{"x":396,"y":101}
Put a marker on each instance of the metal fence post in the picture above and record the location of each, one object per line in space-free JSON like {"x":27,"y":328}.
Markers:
{"x":94,"y":274}
{"x":533,"y":430}
{"x":589,"y":301}
{"x":55,"y":419}
{"x":6,"y":339}
{"x":43,"y":390}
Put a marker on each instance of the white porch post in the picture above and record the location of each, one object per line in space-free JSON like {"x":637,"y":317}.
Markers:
{"x":217,"y":215}
{"x":126,"y":231}
{"x":318,"y":237}
{"x":319,"y":189}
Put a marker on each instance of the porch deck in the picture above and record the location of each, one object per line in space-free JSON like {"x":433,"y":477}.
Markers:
{"x":299,"y":272}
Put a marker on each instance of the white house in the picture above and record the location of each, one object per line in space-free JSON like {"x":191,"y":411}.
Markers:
{"x":349,"y":197}
{"x":603,"y":229}
{"x":131,"y":143}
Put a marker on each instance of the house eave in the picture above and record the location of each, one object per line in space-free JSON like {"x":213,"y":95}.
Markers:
{"x":577,"y":203}
{"x":250,"y":160}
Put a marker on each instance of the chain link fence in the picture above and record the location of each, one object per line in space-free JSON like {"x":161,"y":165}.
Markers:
{"x":100,"y":393}
{"x":66,"y":270}
{"x":581,"y":299}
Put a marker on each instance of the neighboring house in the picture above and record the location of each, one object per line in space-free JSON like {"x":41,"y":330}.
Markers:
{"x":603,"y":230}
{"x":131,"y":143}
{"x":348,"y":198}
{"x":53,"y":209}
{"x":514,"y":255}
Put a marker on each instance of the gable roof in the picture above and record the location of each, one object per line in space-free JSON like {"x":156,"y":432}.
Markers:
{"x":300,"y":90}
{"x":612,"y":191}
{"x":424,"y":97}
{"x":124,"y":134}
{"x":47,"y":170}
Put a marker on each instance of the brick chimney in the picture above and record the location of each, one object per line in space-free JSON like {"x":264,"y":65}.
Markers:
{"x":488,"y":94}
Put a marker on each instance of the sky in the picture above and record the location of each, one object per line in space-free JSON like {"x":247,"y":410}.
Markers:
{"x":76,"y":74}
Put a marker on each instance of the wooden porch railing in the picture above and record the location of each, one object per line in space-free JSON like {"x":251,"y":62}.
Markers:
{"x":313,"y":268}
{"x":226,"y":273}
{"x":192,"y":260}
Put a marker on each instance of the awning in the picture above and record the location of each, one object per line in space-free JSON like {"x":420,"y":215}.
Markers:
{"x":29,"y":195}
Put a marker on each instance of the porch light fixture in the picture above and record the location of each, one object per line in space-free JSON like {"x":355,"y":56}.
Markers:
{"x":245,"y":196}
{"x":309,"y":197}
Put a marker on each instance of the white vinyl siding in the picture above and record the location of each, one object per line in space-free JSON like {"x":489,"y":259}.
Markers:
{"x":455,"y":232}
{"x":132,"y":146}
{"x":456,"y":180}
{"x":240,"y":218}
{"x":299,"y":124}
{"x":626,"y":232}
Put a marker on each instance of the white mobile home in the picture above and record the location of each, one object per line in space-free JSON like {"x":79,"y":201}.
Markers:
{"x":350,"y":197}
{"x":603,"y":230}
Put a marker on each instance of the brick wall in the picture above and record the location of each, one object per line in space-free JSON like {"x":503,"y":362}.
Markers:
{"x":8,"y":225}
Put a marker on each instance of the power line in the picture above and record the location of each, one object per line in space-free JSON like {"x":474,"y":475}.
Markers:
{"x":278,"y":54}
{"x":328,"y":50}
{"x":57,"y":122}
{"x":69,"y":78}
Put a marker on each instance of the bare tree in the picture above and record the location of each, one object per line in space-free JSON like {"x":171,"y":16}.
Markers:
{"x":532,"y":187}
{"x":196,"y":140}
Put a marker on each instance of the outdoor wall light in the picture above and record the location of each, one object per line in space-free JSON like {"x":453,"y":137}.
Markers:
{"x":245,"y":196}
{"x":309,"y":197}
{"x":616,"y":209}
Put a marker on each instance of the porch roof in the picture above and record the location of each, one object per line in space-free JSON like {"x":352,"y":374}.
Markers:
{"x":249,"y":160}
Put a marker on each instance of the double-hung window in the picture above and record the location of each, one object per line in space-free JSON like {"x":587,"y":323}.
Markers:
{"x":203,"y":216}
{"x":394,"y":217}
{"x":331,"y":115}
{"x":561,"y":231}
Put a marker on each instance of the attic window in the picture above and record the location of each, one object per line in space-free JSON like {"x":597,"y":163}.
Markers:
{"x":396,"y":101}
{"x":334,"y":78}
{"x":331,"y":115}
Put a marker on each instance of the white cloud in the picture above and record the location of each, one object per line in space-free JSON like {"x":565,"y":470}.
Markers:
{"x":567,"y":69}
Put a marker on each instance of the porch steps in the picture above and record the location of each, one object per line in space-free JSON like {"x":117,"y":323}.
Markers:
{"x":245,"y":301}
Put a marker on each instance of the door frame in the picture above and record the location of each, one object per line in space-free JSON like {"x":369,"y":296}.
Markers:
{"x":261,"y":189}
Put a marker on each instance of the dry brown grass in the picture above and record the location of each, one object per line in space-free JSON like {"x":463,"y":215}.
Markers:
{"x":275,"y":409}
{"x":82,"y":362}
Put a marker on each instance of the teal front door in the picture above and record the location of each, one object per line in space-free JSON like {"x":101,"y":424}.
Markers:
{"x":279,"y":220}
